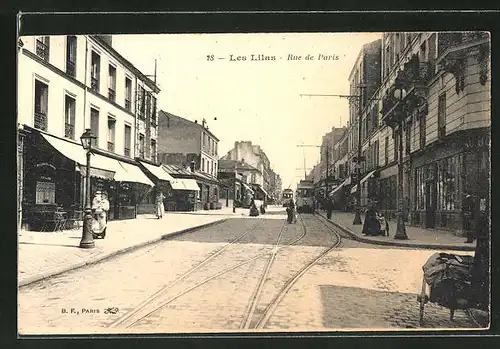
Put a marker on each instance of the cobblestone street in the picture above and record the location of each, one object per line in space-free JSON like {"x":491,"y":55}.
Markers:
{"x":219,"y":279}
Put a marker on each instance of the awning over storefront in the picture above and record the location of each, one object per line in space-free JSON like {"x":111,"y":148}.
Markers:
{"x":131,"y":173}
{"x":158,"y":172}
{"x":364,"y":179}
{"x":248,"y":188}
{"x":346,"y":182}
{"x":185,"y":184}
{"x":75,"y":152}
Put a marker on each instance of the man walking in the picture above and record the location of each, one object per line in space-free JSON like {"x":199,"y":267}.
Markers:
{"x":329,"y":208}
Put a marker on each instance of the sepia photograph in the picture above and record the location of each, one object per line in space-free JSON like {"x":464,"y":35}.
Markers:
{"x":253,"y":182}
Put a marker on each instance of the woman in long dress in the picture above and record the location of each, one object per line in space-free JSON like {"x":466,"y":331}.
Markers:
{"x":160,"y":208}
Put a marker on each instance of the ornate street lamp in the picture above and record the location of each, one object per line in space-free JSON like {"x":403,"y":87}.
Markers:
{"x":400,"y":94}
{"x":87,"y":239}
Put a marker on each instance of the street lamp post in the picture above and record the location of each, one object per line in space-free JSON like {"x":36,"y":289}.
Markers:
{"x":87,"y":238}
{"x":400,"y":234}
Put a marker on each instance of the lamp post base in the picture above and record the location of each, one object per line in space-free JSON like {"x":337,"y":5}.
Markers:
{"x":357,"y":217}
{"x":87,"y":238}
{"x":400,"y":229}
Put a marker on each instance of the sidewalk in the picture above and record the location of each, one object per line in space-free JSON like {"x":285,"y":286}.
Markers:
{"x":417,"y":237}
{"x":45,"y":254}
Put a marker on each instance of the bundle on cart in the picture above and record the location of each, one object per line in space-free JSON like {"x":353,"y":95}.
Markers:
{"x":449,"y":278}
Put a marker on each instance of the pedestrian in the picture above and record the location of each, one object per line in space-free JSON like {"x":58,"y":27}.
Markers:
{"x":160,"y":208}
{"x":100,"y":207}
{"x":372,"y":224}
{"x":468,"y":214}
{"x":329,"y":208}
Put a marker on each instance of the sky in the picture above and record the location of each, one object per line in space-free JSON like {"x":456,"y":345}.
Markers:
{"x":259,"y":100}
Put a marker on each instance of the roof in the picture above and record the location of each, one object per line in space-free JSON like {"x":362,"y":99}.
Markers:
{"x":181,"y":172}
{"x":229,"y":165}
{"x":169,"y":115}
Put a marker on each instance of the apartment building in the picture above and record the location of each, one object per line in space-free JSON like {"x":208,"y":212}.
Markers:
{"x":189,"y":144}
{"x":67,"y":84}
{"x":444,"y":109}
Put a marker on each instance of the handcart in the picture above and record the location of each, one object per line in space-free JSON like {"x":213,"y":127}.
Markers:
{"x":447,"y":282}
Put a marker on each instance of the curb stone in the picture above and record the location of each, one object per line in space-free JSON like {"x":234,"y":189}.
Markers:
{"x":105,"y":256}
{"x":356,"y":237}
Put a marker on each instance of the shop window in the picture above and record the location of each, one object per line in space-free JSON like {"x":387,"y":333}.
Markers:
{"x":448,"y":183}
{"x":419,"y":203}
{"x":45,"y":192}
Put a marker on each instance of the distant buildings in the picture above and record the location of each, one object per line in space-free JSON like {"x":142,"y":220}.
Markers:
{"x":188,"y":144}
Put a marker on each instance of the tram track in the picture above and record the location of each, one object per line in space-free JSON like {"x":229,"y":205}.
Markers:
{"x":250,"y":320}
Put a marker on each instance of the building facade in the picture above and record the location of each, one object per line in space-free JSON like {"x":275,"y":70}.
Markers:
{"x":67,"y":84}
{"x":182,"y":142}
{"x":446,"y":116}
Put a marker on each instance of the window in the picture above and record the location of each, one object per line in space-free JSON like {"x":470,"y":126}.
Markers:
{"x":422,"y":131}
{"x":153,"y":111}
{"x":45,"y":193}
{"x":71,"y":55}
{"x":111,"y":134}
{"x":69,"y":117}
{"x":203,"y":165}
{"x":41,"y":105}
{"x":128,"y":93}
{"x":408,"y":139}
{"x":94,"y":125}
{"x":95,"y":71}
{"x":386,"y":150}
{"x":442,"y":115}
{"x":448,"y":176}
{"x":141,"y":145}
{"x":396,"y":144}
{"x":153,"y":150}
{"x":142,"y":102}
{"x":376,"y":160}
{"x":112,"y":83}
{"x":128,"y":140}
{"x":42,"y":47}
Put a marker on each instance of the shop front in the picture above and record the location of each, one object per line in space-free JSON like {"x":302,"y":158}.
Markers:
{"x":443,"y":175}
{"x":387,"y":191}
{"x":182,"y":195}
{"x":161,"y":180}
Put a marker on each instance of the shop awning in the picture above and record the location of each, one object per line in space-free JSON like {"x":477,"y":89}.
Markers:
{"x":158,"y":172}
{"x":185,"y":184}
{"x":75,"y":152}
{"x":131,"y":173}
{"x":345,"y":182}
{"x":355,"y":187}
{"x":248,"y":188}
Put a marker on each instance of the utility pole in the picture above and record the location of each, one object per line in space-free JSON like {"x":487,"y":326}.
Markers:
{"x":358,"y":99}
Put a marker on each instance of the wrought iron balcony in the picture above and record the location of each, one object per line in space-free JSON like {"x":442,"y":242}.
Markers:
{"x":40,"y":121}
{"x":94,"y":84}
{"x":42,"y":50}
{"x":71,"y":68}
{"x":111,"y":94}
{"x":111,"y":146}
{"x":69,"y":131}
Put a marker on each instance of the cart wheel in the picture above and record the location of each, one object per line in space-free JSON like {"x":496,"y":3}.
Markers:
{"x":422,"y":302}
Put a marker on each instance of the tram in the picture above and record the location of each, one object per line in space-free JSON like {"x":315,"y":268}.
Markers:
{"x":305,"y":196}
{"x":287,"y":196}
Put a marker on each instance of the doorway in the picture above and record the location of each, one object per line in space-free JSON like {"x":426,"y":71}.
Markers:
{"x":430,"y":204}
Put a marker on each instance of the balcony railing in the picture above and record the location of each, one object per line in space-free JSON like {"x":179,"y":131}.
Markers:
{"x":69,"y":131}
{"x":42,"y":50}
{"x":450,"y":40}
{"x":40,"y":121}
{"x":71,"y":68}
{"x":94,"y":84}
{"x":111,"y":146}
{"x":126,"y":151}
{"x":128,"y":106}
{"x":111,"y":94}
